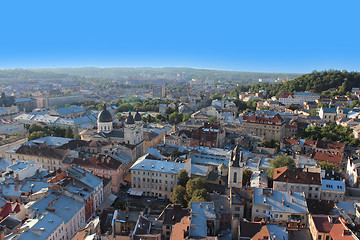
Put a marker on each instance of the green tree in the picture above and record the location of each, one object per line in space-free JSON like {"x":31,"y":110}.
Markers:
{"x":183,"y":178}
{"x":270,"y":144}
{"x":68,"y":92}
{"x":329,"y":166}
{"x":160,"y":118}
{"x":77,"y":137}
{"x":175,"y":118}
{"x":279,"y":161}
{"x":179,"y":195}
{"x":314,"y":112}
{"x":212,"y":119}
{"x":186,"y":117}
{"x":35,"y":135}
{"x":246,"y":176}
{"x":69,"y":133}
{"x":293,"y":107}
{"x":193,"y":184}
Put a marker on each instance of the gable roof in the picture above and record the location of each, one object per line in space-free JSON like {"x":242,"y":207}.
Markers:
{"x":286,"y":174}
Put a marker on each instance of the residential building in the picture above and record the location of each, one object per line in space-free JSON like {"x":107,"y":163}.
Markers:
{"x":170,"y":216}
{"x":71,"y":212}
{"x":259,"y":179}
{"x":326,"y":227}
{"x":154,"y":177}
{"x":21,"y":170}
{"x":281,"y":207}
{"x":332,"y":190}
{"x":104,"y":166}
{"x":353,"y":171}
{"x":44,"y":226}
{"x":266,"y":127}
{"x":48,"y":157}
{"x":123,"y":222}
{"x":328,"y":114}
{"x":204,"y":221}
{"x":297,"y":180}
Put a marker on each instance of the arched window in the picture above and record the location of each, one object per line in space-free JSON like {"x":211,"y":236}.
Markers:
{"x":235,"y":177}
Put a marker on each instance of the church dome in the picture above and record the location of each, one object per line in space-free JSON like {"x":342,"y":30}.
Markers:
{"x":130,"y":119}
{"x":105,"y":115}
{"x":137,"y":117}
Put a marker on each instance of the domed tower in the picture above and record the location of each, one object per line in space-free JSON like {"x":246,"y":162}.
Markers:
{"x":236,"y":165}
{"x":139,"y":128}
{"x":129,"y":130}
{"x":105,"y":121}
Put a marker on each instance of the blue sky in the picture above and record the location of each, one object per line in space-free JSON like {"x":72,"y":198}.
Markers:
{"x":261,"y":36}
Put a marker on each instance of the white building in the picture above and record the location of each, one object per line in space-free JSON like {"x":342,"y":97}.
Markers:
{"x":21,"y":170}
{"x":281,"y":207}
{"x":332,"y":190}
{"x":154,"y":178}
{"x":71,"y":211}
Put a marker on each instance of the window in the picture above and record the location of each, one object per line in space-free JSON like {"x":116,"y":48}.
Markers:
{"x":235,"y":177}
{"x":237,"y":209}
{"x":257,"y":210}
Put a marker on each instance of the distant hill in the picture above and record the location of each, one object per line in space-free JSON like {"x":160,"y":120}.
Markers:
{"x":242,"y":78}
{"x":318,"y":82}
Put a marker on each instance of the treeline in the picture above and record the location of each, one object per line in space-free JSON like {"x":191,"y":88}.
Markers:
{"x":36,"y":131}
{"x":318,"y":82}
{"x":331,"y":132}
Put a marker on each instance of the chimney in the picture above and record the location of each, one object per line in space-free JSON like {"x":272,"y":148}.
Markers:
{"x":290,"y":192}
{"x":283,"y":202}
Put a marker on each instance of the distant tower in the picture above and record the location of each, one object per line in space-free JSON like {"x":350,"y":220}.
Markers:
{"x":133,"y":131}
{"x":236,"y":165}
{"x":104,"y":121}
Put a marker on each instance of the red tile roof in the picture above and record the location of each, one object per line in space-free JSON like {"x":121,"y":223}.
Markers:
{"x":276,"y":119}
{"x":286,"y":174}
{"x":286,"y":95}
{"x":328,"y":157}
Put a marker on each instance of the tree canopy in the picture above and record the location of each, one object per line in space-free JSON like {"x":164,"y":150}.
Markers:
{"x":331,"y":132}
{"x":279,"y":161}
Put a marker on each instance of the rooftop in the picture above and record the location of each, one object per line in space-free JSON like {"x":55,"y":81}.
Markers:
{"x":145,"y":163}
{"x":200,"y":213}
{"x":281,"y":201}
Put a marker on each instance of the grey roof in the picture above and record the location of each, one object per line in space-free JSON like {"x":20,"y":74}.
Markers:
{"x":52,"y":141}
{"x":279,"y":232}
{"x":23,"y":100}
{"x":199,"y":170}
{"x":333,"y":185}
{"x":85,"y":177}
{"x":274,"y":201}
{"x":145,"y":164}
{"x":200,"y":212}
{"x":347,"y":207}
{"x":65,"y":207}
{"x":209,"y":159}
{"x":306,"y":93}
{"x":69,"y":110}
{"x":46,"y":225}
{"x":329,"y":110}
